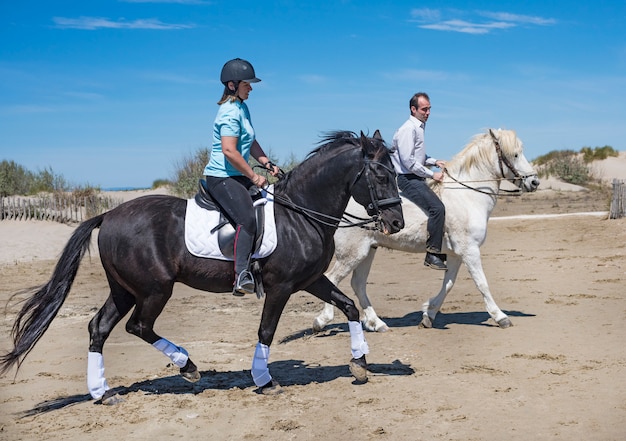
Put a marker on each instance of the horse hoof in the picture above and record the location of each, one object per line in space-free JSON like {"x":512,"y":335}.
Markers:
{"x":358,"y":368}
{"x":271,"y":388}
{"x":383,"y":328}
{"x":426,"y":322}
{"x":111,"y":398}
{"x":317,"y":326}
{"x":190,"y":372}
{"x":505,"y":323}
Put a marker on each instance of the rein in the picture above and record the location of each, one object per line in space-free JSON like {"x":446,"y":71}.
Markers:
{"x":332,"y":221}
{"x":502,"y":160}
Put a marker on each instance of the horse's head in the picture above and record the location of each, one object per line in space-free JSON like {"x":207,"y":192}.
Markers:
{"x":375,"y":185}
{"x":511,"y":160}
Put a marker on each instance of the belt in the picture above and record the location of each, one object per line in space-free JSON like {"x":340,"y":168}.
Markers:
{"x":412,"y":176}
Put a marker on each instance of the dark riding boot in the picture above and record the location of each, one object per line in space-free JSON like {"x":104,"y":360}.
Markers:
{"x":244,"y":282}
{"x":435,"y":260}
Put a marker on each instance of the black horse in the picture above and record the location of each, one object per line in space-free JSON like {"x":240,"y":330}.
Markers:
{"x":143,"y":252}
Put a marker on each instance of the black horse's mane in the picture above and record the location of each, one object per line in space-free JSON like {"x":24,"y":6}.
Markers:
{"x":330,"y":141}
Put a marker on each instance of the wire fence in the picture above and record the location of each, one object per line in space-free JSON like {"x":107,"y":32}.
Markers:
{"x":57,"y":207}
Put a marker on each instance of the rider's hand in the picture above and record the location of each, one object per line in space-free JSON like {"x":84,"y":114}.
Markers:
{"x":438,"y":176}
{"x":259,"y":180}
{"x":274,"y":170}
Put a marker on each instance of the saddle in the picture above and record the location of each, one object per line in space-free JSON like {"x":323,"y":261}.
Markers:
{"x":225,"y":228}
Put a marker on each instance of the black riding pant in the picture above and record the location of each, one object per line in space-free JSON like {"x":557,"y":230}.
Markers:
{"x":417,"y":191}
{"x":231,"y":194}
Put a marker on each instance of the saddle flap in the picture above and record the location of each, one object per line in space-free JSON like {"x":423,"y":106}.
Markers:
{"x":225,"y":229}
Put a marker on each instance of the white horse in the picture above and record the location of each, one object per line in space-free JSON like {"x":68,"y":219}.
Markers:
{"x":469,"y":193}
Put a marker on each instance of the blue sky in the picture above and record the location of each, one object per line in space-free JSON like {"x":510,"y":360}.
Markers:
{"x":116,"y":93}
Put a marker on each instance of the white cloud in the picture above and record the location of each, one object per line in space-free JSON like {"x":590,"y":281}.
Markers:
{"x":432,"y":19}
{"x":93,"y":23}
{"x":467,"y":27}
{"x":505,"y":16}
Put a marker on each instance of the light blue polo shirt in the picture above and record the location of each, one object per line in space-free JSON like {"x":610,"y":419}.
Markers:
{"x":233,"y":119}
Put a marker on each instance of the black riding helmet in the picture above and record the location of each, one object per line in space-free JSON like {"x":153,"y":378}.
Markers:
{"x":238,"y":70}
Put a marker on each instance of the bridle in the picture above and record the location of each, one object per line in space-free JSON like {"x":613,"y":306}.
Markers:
{"x":374,"y":208}
{"x":517,"y":180}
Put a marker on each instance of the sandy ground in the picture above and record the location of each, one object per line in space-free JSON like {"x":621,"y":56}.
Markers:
{"x":558,"y":373}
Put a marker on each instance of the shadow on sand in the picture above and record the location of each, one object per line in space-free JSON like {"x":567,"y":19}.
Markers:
{"x":286,"y":372}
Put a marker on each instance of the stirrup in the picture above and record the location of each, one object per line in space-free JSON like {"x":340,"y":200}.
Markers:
{"x":244,"y":284}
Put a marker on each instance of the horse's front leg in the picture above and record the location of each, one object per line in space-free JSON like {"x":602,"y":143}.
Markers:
{"x":323,"y":289}
{"x":433,"y":305}
{"x":475,"y":268}
{"x":272,"y":310}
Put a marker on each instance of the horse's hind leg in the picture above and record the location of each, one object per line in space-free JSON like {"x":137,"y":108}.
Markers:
{"x":338,"y":272}
{"x":100,"y":327}
{"x":359,"y":284}
{"x":433,"y":305}
{"x":348,"y":255}
{"x":475,"y":268}
{"x":141,"y":324}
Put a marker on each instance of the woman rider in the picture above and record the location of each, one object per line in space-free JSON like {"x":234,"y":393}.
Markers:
{"x":228,"y":174}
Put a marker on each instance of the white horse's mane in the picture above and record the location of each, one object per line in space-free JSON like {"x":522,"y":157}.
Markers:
{"x":478,"y":151}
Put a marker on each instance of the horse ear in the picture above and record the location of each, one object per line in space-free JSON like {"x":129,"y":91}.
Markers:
{"x":367,"y":146}
{"x":377,"y":135}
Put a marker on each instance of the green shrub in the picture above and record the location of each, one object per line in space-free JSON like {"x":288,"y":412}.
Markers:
{"x":598,"y":153}
{"x":188,"y":171}
{"x":571,"y":166}
{"x":553,"y":156}
{"x":191,"y":168}
{"x":571,"y":169}
{"x":161,"y":183}
{"x":16,"y":180}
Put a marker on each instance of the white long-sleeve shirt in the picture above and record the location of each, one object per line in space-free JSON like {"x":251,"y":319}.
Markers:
{"x":409,"y":155}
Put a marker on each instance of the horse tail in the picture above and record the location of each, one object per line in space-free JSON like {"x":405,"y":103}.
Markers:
{"x":40,"y":309}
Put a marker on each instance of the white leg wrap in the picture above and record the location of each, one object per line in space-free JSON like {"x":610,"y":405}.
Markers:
{"x":260,"y":372}
{"x":178,"y":355}
{"x":357,"y":340}
{"x":96,"y":383}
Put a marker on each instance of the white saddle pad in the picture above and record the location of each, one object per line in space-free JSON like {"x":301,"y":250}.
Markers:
{"x":199,"y":222}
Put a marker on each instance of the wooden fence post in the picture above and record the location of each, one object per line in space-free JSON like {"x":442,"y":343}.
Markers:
{"x":618,"y":201}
